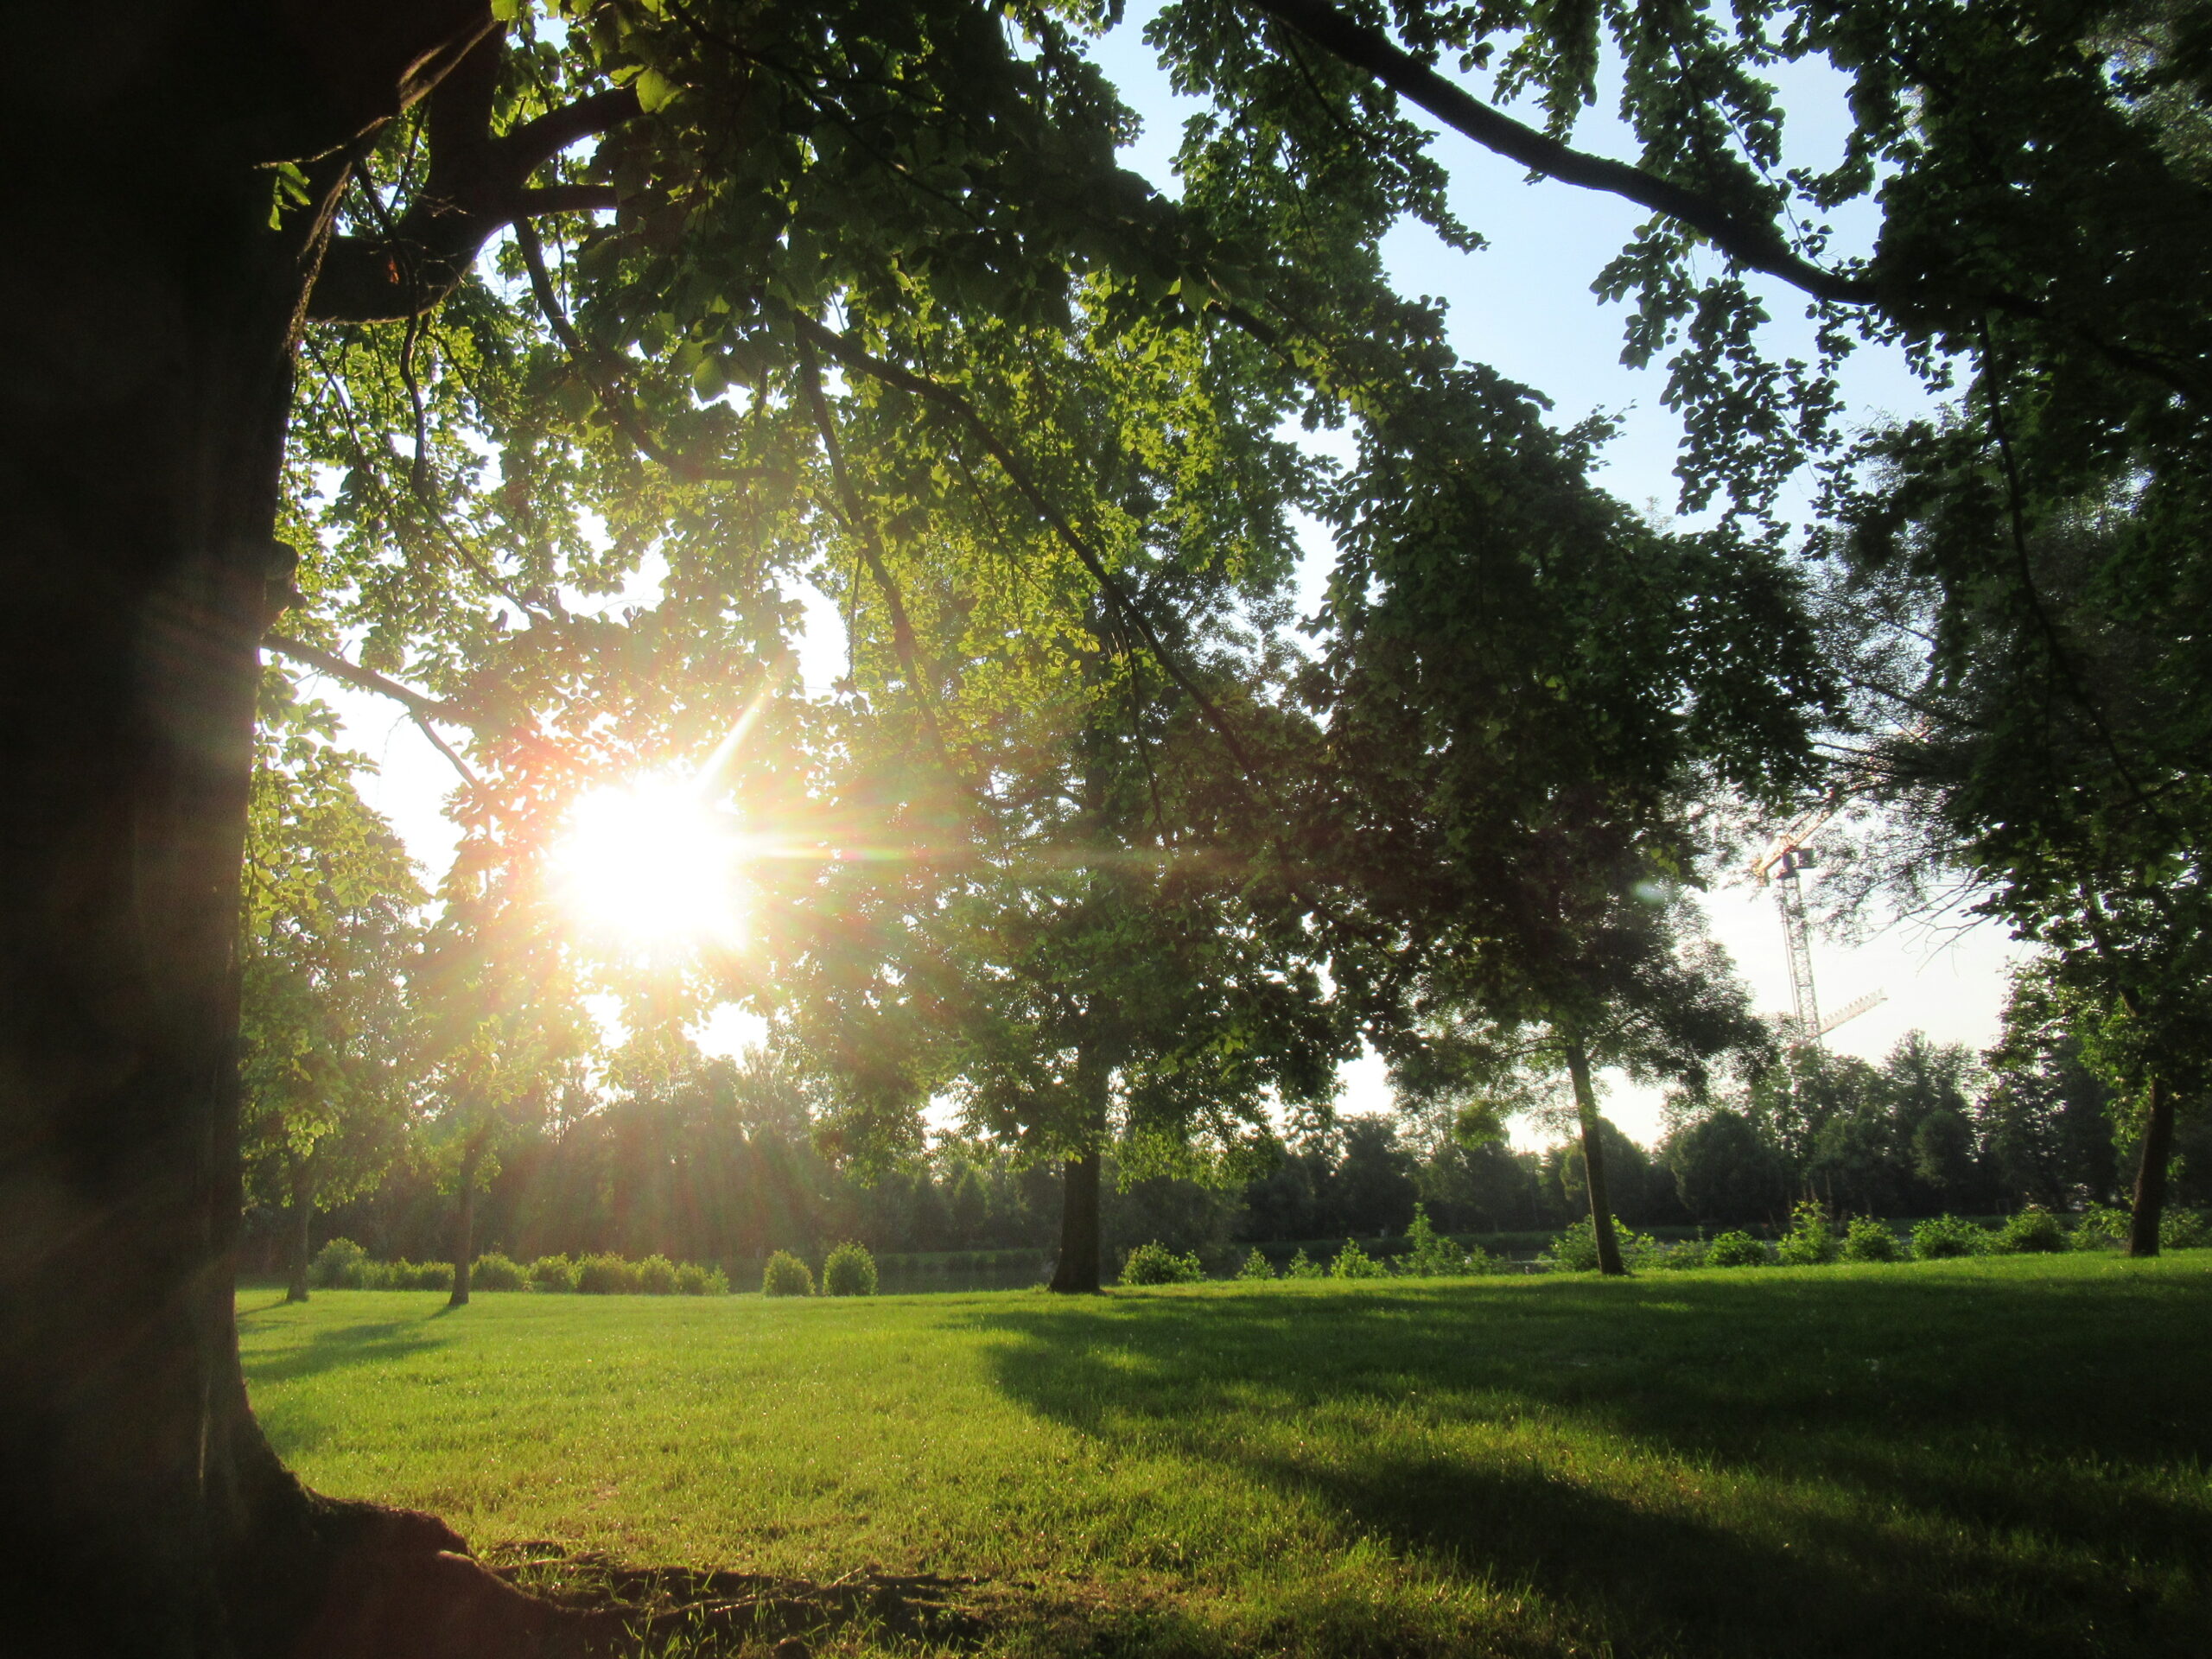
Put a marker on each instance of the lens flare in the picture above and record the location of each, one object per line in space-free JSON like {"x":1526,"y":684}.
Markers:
{"x":648,"y":864}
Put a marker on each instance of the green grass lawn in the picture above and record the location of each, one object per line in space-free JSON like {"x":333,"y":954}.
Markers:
{"x":1997,"y":1457}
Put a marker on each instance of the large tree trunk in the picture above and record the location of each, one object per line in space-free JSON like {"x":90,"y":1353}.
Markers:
{"x":464,"y":1229}
{"x":302,"y":1174}
{"x":2150,"y":1172}
{"x":146,"y":318}
{"x":1593,"y":1159}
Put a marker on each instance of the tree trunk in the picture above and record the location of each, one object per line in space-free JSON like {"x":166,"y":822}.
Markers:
{"x":2150,"y":1172}
{"x":1593,"y":1160}
{"x":1076,"y":1272}
{"x":146,"y":319}
{"x":302,"y":1212}
{"x":464,"y":1229}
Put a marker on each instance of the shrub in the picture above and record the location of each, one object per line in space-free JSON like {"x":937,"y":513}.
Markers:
{"x":1868,"y":1240}
{"x":2185,"y":1230}
{"x":492,"y":1271}
{"x":1690,"y":1253}
{"x":1156,"y":1264}
{"x":339,"y":1265}
{"x":2034,"y":1232}
{"x":2101,"y":1227}
{"x":1255,"y":1266}
{"x":657,"y":1275}
{"x":1736,"y":1249}
{"x":849,"y":1271}
{"x":1302,"y":1267}
{"x":553,"y":1273}
{"x":1811,"y":1240}
{"x":693,"y":1280}
{"x":1575,"y":1250}
{"x":606,"y":1274}
{"x":403,"y":1275}
{"x":1428,"y":1255}
{"x":786,"y":1276}
{"x":1948,"y":1235}
{"x":1352,"y":1262}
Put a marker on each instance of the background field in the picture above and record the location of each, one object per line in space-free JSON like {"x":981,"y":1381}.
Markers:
{"x":1999,"y":1456}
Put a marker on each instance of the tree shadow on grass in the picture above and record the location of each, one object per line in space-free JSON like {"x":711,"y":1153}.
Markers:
{"x":1911,"y":1462}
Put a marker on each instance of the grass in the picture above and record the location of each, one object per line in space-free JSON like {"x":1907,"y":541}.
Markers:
{"x":1988,"y":1456}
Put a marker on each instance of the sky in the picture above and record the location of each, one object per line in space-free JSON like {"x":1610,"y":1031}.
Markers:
{"x":1522,"y":304}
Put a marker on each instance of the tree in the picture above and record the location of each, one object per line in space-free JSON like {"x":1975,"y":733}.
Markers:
{"x":2049,"y":1115}
{"x":329,"y":894}
{"x":767,"y":170}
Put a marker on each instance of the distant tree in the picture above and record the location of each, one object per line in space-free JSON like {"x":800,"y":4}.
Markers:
{"x":1726,"y":1171}
{"x":2048,"y":1116}
{"x":1372,"y":1189}
{"x":328,"y":900}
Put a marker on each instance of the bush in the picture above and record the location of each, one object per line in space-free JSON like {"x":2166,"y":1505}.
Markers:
{"x":849,"y":1271}
{"x":1736,"y":1249}
{"x":1156,"y":1264}
{"x":1575,"y":1250}
{"x":693,"y":1280}
{"x":657,"y":1275}
{"x":403,"y":1275}
{"x":2101,"y":1227}
{"x":606,"y":1274}
{"x":1255,"y":1266}
{"x":1868,"y":1240}
{"x":339,"y":1265}
{"x":553,"y":1273}
{"x":2034,"y":1232}
{"x":1428,"y":1255}
{"x":1948,"y":1235}
{"x":1352,"y":1262}
{"x":2185,"y":1230}
{"x":786,"y":1276}
{"x":1303,"y":1267}
{"x":1811,"y":1241}
{"x":492,"y":1271}
{"x":1680,"y":1257}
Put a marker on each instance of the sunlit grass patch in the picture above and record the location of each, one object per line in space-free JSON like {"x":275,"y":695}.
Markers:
{"x":1985,"y":1457}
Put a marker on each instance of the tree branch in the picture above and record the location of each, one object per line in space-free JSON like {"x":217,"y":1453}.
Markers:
{"x":1759,"y":246}
{"x":420,"y":709}
{"x":858,"y":358}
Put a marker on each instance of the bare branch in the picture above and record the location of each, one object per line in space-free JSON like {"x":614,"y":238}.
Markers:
{"x":420,"y":709}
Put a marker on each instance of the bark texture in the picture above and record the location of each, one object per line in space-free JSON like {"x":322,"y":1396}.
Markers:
{"x":464,"y":1231}
{"x":1077,"y":1271}
{"x":147,"y":315}
{"x":2150,"y":1207}
{"x":1593,"y":1160}
{"x":302,"y":1174}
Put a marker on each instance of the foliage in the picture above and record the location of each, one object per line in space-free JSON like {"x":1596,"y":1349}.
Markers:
{"x":1428,"y":1255}
{"x":1948,"y":1235}
{"x":1811,"y":1240}
{"x":1575,"y":1250}
{"x":605,"y":1274}
{"x":1255,"y":1267}
{"x":1352,"y":1262}
{"x":692,"y":1278}
{"x":1156,"y":1264}
{"x":2185,"y":1229}
{"x":492,"y":1271}
{"x":786,"y":1276}
{"x":1303,"y":1267}
{"x":2100,"y":1226}
{"x":656,"y":1276}
{"x":848,"y":1270}
{"x":1736,"y":1249}
{"x":1867,"y":1239}
{"x":553,"y":1273}
{"x":339,"y":1265}
{"x":2034,"y":1230}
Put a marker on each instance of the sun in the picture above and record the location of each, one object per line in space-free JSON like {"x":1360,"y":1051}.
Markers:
{"x":649,"y":863}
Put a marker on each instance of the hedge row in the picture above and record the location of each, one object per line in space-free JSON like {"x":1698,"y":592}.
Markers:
{"x":343,"y":1265}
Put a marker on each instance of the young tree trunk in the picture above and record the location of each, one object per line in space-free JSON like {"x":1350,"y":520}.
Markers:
{"x":464,"y":1229}
{"x":1593,"y":1160}
{"x":2151,"y":1173}
{"x":1076,"y":1272}
{"x":302,"y":1213}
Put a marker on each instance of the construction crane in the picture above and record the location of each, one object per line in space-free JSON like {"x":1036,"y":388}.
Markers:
{"x":1779,"y":866}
